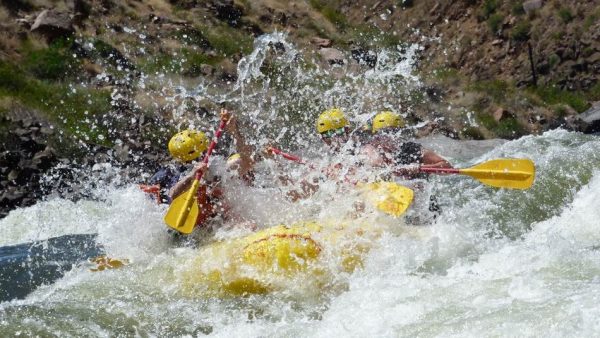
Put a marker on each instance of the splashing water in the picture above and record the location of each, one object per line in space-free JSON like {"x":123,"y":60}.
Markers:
{"x":496,"y":262}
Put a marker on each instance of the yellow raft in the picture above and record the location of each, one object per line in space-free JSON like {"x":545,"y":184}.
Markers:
{"x":305,"y":255}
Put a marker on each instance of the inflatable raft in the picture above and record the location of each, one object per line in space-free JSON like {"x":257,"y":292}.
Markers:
{"x":305,"y":255}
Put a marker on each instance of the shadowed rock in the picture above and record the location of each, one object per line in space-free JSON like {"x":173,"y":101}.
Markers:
{"x":53,"y":24}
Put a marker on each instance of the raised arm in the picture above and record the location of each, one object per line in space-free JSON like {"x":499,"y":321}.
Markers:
{"x":184,"y":184}
{"x":246,"y":151}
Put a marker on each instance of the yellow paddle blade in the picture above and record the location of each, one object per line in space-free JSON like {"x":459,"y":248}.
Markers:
{"x":104,"y":262}
{"x":184,"y":210}
{"x":389,"y":197}
{"x":514,"y":173}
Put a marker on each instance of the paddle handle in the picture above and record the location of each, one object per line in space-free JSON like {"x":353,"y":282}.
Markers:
{"x":286,"y":155}
{"x":212,"y":145}
{"x":439,"y":170}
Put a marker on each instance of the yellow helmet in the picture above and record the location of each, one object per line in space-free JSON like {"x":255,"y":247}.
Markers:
{"x":187,"y":145}
{"x":387,"y":119}
{"x":331,"y":119}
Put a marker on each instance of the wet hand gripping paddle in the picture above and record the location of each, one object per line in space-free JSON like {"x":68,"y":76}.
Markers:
{"x":183,"y":212}
{"x":389,"y":197}
{"x":511,"y":173}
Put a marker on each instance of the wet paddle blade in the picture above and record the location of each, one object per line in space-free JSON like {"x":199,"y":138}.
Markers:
{"x":104,"y":262}
{"x":184,"y":210}
{"x":510,"y":173}
{"x":389,"y":197}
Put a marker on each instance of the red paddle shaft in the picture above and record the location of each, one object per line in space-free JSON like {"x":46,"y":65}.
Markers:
{"x":286,"y":155}
{"x":421,"y":169}
{"x":212,"y":145}
{"x":440,"y":170}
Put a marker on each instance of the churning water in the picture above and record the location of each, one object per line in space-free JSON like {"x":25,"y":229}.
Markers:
{"x":495,"y":263}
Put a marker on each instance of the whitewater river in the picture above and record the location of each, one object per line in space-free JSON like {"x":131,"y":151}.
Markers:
{"x":495,"y":263}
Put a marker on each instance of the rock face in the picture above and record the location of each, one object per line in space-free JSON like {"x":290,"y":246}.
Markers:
{"x":22,"y":162}
{"x":53,"y":24}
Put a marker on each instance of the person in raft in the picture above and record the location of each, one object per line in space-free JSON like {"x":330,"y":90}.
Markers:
{"x":387,"y":147}
{"x":379,"y":149}
{"x":186,"y":147}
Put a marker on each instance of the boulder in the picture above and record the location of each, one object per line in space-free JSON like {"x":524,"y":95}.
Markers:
{"x":332,"y":56}
{"x":228,"y":11}
{"x":501,"y":114}
{"x":53,"y":24}
{"x":531,"y":5}
{"x":321,"y":42}
{"x":592,"y":118}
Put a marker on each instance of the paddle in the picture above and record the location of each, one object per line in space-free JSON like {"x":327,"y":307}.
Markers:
{"x":389,"y":197}
{"x":512,"y":173}
{"x":183,"y":211}
{"x":286,"y":155}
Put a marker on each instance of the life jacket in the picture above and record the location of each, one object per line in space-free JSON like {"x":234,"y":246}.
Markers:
{"x":208,"y":199}
{"x":162,"y":181}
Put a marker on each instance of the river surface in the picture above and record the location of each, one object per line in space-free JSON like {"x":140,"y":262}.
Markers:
{"x":495,"y":263}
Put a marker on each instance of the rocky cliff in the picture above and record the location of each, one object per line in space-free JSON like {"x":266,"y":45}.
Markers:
{"x":489,"y":69}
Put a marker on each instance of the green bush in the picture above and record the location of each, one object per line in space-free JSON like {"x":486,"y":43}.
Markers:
{"x":446,"y":73}
{"x":487,"y":121}
{"x":11,"y":81}
{"x":553,"y":60}
{"x":553,"y":95}
{"x":489,"y":7}
{"x":193,"y":37}
{"x":565,"y":15}
{"x":495,"y":23}
{"x":509,"y":128}
{"x":192,"y":61}
{"x":159,"y":63}
{"x":74,"y":110}
{"x":517,"y":8}
{"x":497,"y":89}
{"x":52,"y":63}
{"x":521,"y":31}
{"x":559,"y":35}
{"x":560,"y":110}
{"x":368,"y":35}
{"x":472,"y":133}
{"x":590,"y":20}
{"x":330,"y":12}
{"x":593,"y":94}
{"x":228,"y":41}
